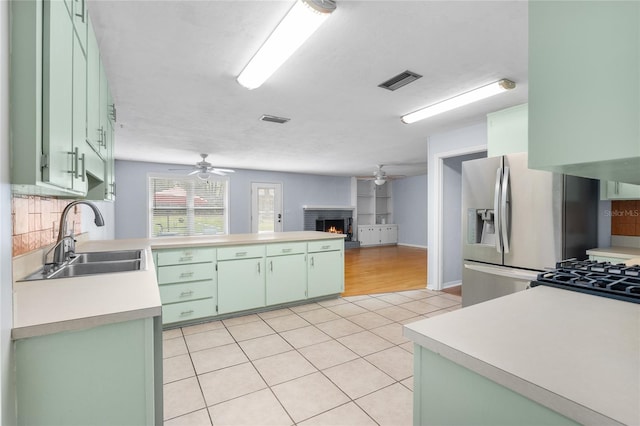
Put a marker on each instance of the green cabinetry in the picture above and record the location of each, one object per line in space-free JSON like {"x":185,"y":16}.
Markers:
{"x":584,"y":88}
{"x":188,"y":283}
{"x":106,"y":375}
{"x":619,"y":191}
{"x":50,"y":100}
{"x":241,"y":278}
{"x":325,"y":268}
{"x":446,"y":393}
{"x":286,"y":273}
{"x":507,"y":131}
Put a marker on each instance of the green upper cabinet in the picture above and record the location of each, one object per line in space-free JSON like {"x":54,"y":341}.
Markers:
{"x":57,"y":86}
{"x":619,"y":191}
{"x":94,"y":133}
{"x":507,"y":131}
{"x":51,"y":77}
{"x":584,"y":88}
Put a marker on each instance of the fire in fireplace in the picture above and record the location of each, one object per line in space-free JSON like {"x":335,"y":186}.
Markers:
{"x":335,"y":226}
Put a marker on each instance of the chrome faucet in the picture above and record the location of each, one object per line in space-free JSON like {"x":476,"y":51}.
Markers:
{"x":65,"y":245}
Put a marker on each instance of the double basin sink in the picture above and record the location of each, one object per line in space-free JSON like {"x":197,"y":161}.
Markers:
{"x":94,"y":263}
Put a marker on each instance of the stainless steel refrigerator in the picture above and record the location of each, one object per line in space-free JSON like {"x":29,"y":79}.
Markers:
{"x":517,"y":222}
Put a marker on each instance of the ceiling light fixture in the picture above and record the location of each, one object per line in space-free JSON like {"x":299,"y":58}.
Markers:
{"x":300,"y":22}
{"x":379,"y":181}
{"x":203,"y":176}
{"x":460,"y":100}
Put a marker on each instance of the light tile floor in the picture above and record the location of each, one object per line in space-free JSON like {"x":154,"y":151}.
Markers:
{"x":342,"y":361}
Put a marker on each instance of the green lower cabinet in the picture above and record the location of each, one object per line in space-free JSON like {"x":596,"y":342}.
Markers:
{"x":241,"y":284}
{"x":326,"y":273}
{"x":446,"y":393}
{"x":106,"y":375}
{"x":286,"y":278}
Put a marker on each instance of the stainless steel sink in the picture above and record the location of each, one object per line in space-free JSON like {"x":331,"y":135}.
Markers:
{"x":94,"y":263}
{"x":94,"y":268}
{"x":106,"y":256}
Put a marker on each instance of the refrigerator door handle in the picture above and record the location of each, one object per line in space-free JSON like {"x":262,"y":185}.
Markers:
{"x":518,"y":274}
{"x":504,"y":216}
{"x":496,"y":209}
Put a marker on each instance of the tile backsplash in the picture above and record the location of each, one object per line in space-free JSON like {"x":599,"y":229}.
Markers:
{"x":36,"y":219}
{"x":625,"y":218}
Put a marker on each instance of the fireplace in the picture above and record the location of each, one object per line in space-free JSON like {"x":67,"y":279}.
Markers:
{"x":336,"y":226}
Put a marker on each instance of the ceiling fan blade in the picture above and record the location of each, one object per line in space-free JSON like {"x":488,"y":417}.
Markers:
{"x":180,"y":169}
{"x":217,"y":172}
{"x":193,"y":172}
{"x":224,"y":170}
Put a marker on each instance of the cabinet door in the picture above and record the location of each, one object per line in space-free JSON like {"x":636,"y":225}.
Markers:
{"x":241,"y":285}
{"x":591,"y":129}
{"x":79,"y":117}
{"x":286,"y":278}
{"x":619,"y":191}
{"x":57,"y":89}
{"x":94,"y":132}
{"x":326,"y":273}
{"x":389,"y":235}
{"x":80,"y":17}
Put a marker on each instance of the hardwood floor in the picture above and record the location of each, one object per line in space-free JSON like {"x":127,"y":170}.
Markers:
{"x":384,"y":269}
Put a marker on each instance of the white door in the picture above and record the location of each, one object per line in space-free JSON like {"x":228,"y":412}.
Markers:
{"x":266,"y":207}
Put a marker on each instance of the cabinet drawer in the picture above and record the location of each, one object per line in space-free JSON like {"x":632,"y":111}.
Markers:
{"x":188,"y":291}
{"x":286,"y":248}
{"x":187,"y":255}
{"x":185,"y":311}
{"x":185,"y":273}
{"x":242,"y":252}
{"x":325,"y":245}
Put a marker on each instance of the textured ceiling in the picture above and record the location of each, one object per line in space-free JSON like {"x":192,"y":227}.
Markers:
{"x":172,"y":66}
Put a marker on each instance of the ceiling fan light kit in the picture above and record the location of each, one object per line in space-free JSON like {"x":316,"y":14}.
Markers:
{"x":302,"y":20}
{"x":475,"y":95}
{"x":204,"y":169}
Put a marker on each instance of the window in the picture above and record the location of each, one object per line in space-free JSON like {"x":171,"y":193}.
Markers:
{"x":187,"y":206}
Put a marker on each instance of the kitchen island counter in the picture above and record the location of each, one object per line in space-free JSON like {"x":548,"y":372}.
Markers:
{"x":576,"y":354}
{"x":615,"y":252}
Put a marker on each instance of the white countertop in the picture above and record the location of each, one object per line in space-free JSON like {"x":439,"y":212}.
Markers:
{"x":49,"y":306}
{"x":619,"y":251}
{"x":574,"y":353}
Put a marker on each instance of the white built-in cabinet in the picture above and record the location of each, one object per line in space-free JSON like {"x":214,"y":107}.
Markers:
{"x":375,"y":214}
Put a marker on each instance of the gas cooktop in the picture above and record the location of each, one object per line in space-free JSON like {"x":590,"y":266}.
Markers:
{"x":616,"y":281}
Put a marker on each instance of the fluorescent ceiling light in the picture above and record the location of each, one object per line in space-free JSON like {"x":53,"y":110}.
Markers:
{"x":300,"y":22}
{"x":460,"y":100}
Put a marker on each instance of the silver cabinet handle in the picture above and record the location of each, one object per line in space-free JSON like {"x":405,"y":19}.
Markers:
{"x":258,"y":268}
{"x":83,"y":12}
{"x":186,"y":275}
{"x":186,"y":293}
{"x":325,"y":247}
{"x":241,"y":253}
{"x":185,"y":313}
{"x":312,"y":262}
{"x":271,"y":265}
{"x":185,"y":259}
{"x":286,"y":250}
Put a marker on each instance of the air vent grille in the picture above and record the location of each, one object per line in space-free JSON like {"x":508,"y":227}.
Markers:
{"x":274,"y":119}
{"x":402,"y":79}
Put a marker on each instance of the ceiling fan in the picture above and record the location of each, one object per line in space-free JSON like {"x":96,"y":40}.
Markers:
{"x":379,"y":176}
{"x":204,"y":169}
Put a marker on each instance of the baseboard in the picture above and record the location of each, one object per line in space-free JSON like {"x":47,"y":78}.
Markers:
{"x":413,"y":245}
{"x":452,"y":284}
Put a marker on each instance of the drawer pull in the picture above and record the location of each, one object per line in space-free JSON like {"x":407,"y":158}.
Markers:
{"x":185,"y":313}
{"x":186,"y":275}
{"x":241,"y":253}
{"x":325,"y":247}
{"x":186,"y":258}
{"x":286,"y":250}
{"x":186,"y":293}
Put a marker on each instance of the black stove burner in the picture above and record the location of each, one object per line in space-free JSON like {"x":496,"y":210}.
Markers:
{"x":600,"y":278}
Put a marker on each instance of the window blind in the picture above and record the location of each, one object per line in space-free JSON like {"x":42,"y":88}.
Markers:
{"x":187,"y":206}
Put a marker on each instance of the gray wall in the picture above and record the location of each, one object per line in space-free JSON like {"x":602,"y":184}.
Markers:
{"x":410,"y":210}
{"x":297,"y":190}
{"x":7,"y":407}
{"x":451,"y":215}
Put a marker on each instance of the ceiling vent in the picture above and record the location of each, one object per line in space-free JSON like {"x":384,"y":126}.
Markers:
{"x":402,"y":79}
{"x":274,"y":119}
